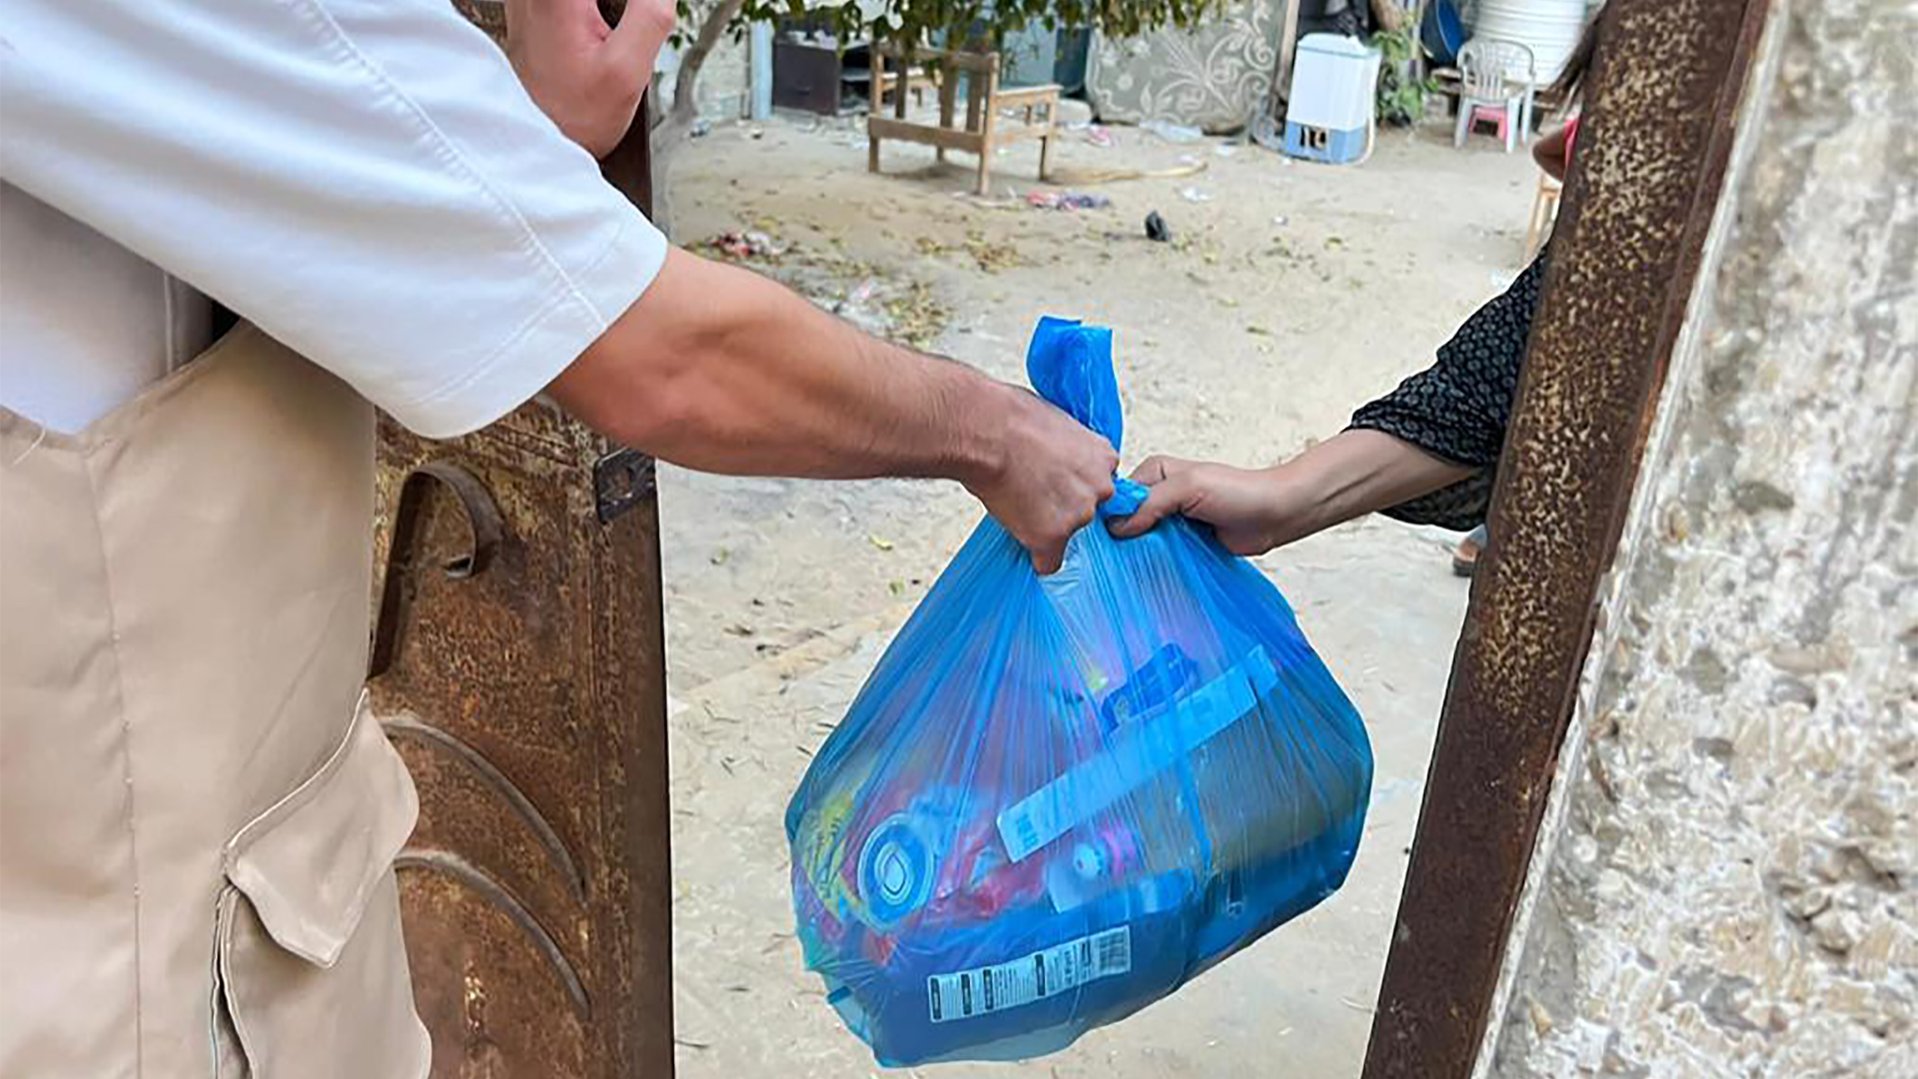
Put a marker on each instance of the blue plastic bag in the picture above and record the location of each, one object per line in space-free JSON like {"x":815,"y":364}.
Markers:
{"x":1058,"y":799}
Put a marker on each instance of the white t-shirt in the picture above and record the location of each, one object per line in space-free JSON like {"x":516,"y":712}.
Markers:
{"x":366,"y":180}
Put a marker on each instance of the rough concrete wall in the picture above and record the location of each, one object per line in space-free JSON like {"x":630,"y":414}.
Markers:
{"x":1728,"y":885}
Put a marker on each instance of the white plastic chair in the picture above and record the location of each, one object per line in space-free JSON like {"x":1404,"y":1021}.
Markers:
{"x":1501,"y":75}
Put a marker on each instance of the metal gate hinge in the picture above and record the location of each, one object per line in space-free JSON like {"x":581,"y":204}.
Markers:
{"x":621,"y":479}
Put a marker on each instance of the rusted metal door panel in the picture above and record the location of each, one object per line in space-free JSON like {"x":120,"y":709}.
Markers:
{"x":1652,"y":155}
{"x":518,"y":666}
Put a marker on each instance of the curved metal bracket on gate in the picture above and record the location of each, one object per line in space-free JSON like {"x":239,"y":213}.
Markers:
{"x":483,"y":520}
{"x":621,"y":479}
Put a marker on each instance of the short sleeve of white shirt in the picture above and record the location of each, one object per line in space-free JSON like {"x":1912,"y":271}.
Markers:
{"x":364,"y":179}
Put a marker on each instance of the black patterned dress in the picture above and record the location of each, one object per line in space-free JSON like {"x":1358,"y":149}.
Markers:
{"x":1459,"y":407}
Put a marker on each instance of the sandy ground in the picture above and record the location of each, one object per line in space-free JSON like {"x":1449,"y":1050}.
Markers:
{"x":1292,"y":294}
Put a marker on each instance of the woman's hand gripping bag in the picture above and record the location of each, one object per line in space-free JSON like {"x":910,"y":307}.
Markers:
{"x":1058,"y":799}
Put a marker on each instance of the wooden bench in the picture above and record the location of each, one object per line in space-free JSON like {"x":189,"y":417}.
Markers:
{"x":915,"y":83}
{"x":987,"y":125}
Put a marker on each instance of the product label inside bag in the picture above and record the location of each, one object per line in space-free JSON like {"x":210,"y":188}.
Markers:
{"x":1056,"y":970}
{"x":1133,"y":756}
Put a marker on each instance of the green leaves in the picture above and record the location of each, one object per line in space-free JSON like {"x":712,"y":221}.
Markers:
{"x":980,"y":22}
{"x":1401,"y":98}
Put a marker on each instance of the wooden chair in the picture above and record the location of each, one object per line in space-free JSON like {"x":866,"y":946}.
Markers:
{"x":914,"y":82}
{"x":986,"y":129}
{"x":1544,"y":214}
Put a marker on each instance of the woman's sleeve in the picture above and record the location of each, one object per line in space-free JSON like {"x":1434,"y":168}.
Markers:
{"x":1459,"y":407}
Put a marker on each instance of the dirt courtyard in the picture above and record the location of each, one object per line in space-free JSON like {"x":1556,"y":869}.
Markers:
{"x":1291,"y":294}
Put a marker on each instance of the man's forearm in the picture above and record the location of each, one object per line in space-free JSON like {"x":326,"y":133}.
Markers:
{"x":724,"y":371}
{"x":1354,"y":473}
{"x":721,"y":370}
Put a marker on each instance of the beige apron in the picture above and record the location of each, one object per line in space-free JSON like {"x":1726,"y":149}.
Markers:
{"x":198,"y":815}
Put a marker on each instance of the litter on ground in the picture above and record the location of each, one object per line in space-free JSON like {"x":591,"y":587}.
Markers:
{"x":1066,"y":200}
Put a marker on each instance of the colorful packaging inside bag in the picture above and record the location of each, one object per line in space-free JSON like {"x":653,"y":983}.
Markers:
{"x":1058,"y":799}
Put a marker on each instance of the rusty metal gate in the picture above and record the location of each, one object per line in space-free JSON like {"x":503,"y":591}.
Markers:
{"x":1660,"y":105}
{"x":518,"y":666}
{"x":518,"y":659}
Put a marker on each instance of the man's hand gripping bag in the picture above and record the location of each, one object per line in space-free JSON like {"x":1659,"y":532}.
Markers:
{"x":1058,"y":799}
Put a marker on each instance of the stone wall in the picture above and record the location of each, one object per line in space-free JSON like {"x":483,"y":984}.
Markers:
{"x":1727,"y":882}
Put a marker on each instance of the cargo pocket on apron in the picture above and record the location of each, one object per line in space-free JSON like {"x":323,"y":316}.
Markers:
{"x":311,"y":966}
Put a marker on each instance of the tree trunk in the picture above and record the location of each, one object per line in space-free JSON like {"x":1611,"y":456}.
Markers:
{"x":667,"y":136}
{"x":1387,"y":15}
{"x":685,"y":84}
{"x":671,"y":127}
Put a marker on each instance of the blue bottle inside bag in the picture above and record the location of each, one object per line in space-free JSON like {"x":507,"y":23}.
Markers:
{"x":1056,"y":800}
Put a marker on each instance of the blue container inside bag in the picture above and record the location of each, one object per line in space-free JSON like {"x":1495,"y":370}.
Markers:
{"x":1058,"y":799}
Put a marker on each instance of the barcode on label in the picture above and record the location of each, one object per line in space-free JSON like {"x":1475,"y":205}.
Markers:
{"x":1028,"y":832}
{"x":1115,"y":951}
{"x":964,"y":994}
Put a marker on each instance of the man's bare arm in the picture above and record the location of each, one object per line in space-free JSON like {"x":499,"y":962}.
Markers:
{"x":719,"y":369}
